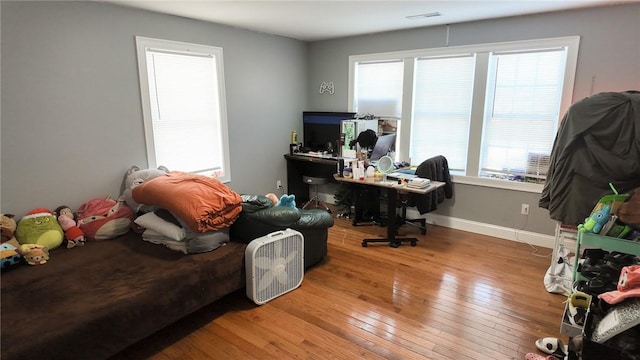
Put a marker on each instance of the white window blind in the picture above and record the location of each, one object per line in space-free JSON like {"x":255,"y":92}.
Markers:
{"x":521,"y":113}
{"x":185,"y":121}
{"x":378,"y":89}
{"x":491,"y":109}
{"x":442,"y":109}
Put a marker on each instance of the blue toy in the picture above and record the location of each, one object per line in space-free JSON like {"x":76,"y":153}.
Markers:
{"x":9,"y":256}
{"x":287,"y":200}
{"x":595,"y":222}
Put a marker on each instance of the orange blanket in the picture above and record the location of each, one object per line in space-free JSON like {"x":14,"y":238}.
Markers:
{"x":203,"y":203}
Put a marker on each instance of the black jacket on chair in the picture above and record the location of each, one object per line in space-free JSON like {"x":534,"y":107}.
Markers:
{"x":436,"y":169}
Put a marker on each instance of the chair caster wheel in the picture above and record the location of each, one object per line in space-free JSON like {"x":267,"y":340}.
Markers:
{"x":413,"y":243}
{"x":394,"y":244}
{"x":364,"y":244}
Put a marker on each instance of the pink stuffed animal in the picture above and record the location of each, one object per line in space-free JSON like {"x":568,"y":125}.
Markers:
{"x":73,"y":235}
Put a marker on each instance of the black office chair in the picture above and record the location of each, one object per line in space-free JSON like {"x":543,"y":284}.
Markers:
{"x":435,"y":168}
{"x":404,"y":201}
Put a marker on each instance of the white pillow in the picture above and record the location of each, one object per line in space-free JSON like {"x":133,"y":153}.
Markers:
{"x":157,"y":224}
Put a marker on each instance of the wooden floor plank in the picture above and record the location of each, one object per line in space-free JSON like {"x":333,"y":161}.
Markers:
{"x":456,"y":295}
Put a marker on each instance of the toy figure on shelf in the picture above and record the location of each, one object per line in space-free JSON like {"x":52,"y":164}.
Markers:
{"x":73,"y":235}
{"x":595,"y":222}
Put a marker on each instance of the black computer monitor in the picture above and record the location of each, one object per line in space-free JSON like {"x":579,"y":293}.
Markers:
{"x":321,"y":129}
{"x":384,"y":144}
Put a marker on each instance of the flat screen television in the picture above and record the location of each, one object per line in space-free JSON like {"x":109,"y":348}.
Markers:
{"x":321,"y":129}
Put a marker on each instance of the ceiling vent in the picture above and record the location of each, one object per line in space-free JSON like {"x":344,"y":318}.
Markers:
{"x":424,"y":16}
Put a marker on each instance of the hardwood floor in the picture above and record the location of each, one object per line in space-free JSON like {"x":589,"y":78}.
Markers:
{"x":456,"y":295}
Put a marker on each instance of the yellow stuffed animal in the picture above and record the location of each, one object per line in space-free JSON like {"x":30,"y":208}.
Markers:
{"x":34,"y":254}
{"x":7,"y":229}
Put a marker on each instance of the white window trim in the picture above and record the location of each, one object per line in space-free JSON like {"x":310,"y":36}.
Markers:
{"x":570,"y":42}
{"x":496,"y":183}
{"x":143,"y":43}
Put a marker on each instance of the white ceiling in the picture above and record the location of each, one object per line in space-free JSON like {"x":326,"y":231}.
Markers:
{"x":319,"y":20}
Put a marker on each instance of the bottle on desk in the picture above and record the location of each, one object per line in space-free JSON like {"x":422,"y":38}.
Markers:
{"x":341,"y":166}
{"x":361,"y":170}
{"x":371,"y":171}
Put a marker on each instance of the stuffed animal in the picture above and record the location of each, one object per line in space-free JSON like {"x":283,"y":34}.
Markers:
{"x":134,"y":177}
{"x":595,"y":222}
{"x":273,"y":198}
{"x":287,"y":200}
{"x":73,"y":235}
{"x":40,"y":227}
{"x":8,"y":229}
{"x":34,"y":254}
{"x":104,"y":218}
{"x":9,"y":256}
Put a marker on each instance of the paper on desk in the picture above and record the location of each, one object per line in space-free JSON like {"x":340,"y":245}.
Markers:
{"x":348,"y":153}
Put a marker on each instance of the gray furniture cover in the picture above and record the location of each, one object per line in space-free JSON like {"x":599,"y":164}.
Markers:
{"x":598,"y":143}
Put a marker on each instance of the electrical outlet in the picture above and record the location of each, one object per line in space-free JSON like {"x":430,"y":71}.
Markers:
{"x":278,"y":184}
{"x":525,"y":209}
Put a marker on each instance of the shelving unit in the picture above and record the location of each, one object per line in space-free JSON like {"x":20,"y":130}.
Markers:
{"x":590,"y":349}
{"x":566,"y":237}
{"x":606,"y":243}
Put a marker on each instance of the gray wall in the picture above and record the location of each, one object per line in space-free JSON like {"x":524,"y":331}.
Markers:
{"x":71,"y":113}
{"x":72,"y":120}
{"x":609,"y":60}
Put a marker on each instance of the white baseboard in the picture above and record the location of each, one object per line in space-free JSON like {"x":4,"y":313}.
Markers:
{"x":527,"y":237}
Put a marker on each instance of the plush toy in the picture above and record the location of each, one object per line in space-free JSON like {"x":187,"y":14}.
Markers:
{"x":134,"y":177}
{"x":104,"y":218}
{"x":9,"y":256}
{"x":595,"y":222}
{"x":34,"y":254}
{"x":73,"y":235}
{"x":287,"y":200}
{"x":40,"y":227}
{"x":8,"y":229}
{"x":273,"y":198}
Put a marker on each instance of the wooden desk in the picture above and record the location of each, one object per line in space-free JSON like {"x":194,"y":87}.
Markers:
{"x":393,"y":188}
{"x":301,"y":165}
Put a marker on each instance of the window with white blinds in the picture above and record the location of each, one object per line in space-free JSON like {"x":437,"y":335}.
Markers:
{"x":184,"y":107}
{"x":521,"y":113}
{"x":491,"y":109}
{"x":378,"y":89}
{"x":442,"y":109}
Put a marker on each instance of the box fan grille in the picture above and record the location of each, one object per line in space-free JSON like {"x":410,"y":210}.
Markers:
{"x":274,"y":264}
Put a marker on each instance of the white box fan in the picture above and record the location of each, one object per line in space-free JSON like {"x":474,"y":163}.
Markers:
{"x":274,"y":264}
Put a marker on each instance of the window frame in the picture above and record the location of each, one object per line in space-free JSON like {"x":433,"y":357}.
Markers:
{"x":144,"y":43}
{"x":482,"y":52}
